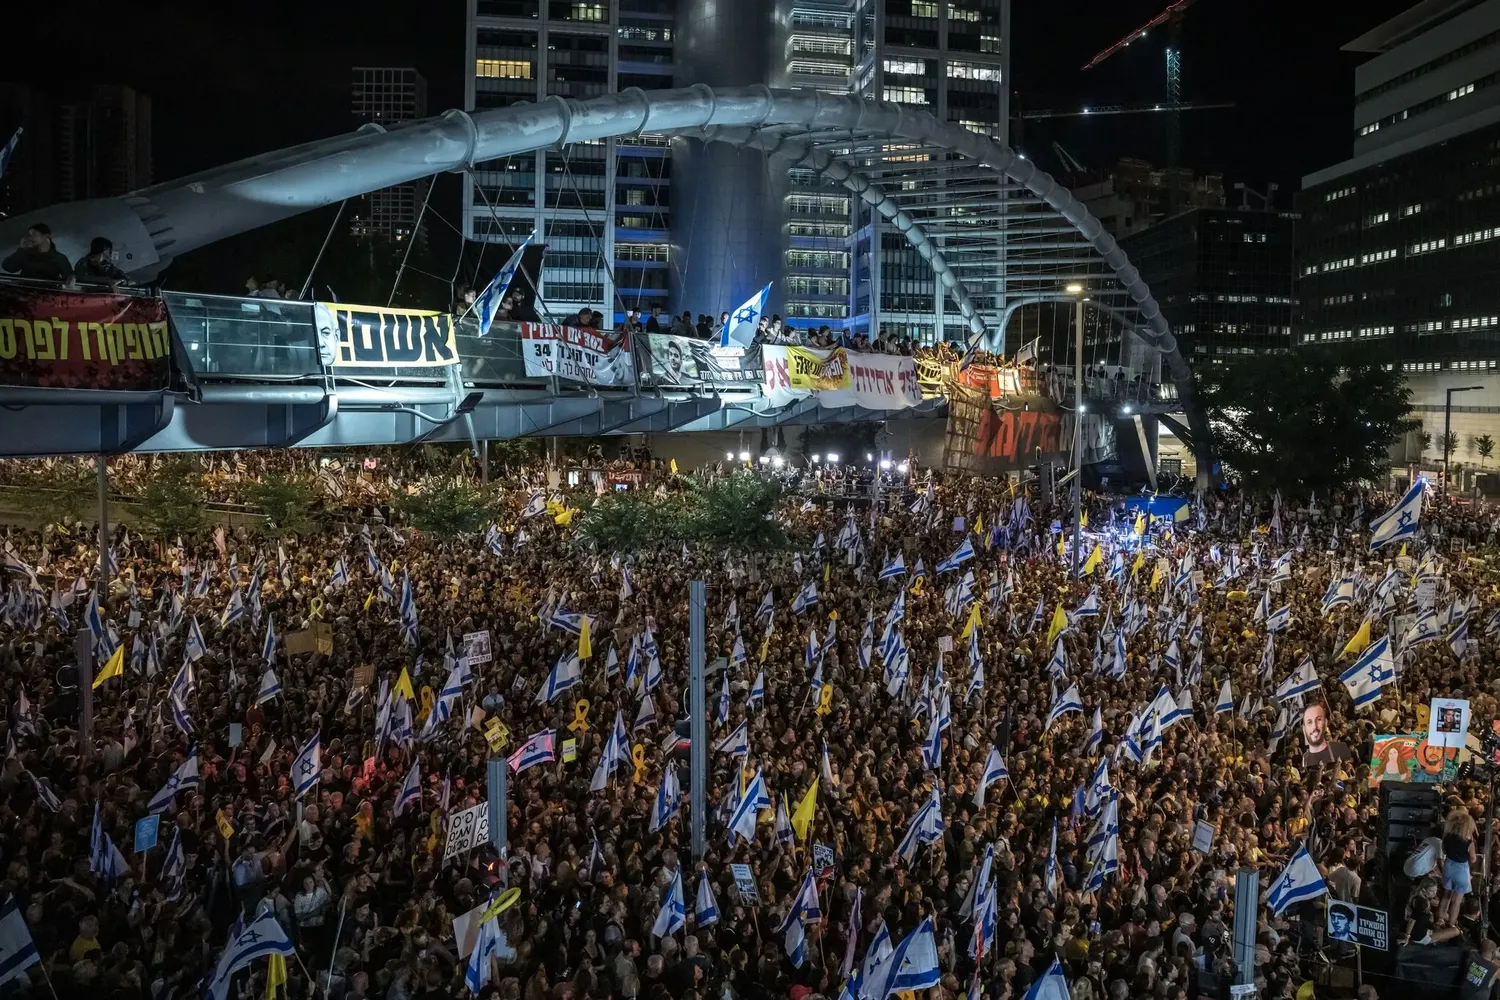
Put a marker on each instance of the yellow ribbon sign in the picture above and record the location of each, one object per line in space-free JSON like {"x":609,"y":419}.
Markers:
{"x":427,"y":700}
{"x":315,"y":610}
{"x":639,"y":756}
{"x":825,"y":699}
{"x":580,"y":723}
{"x":497,"y":734}
{"x":503,"y":902}
{"x":226,"y":829}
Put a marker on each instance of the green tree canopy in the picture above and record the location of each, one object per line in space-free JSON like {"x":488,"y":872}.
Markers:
{"x":451,"y":508}
{"x":288,"y":502}
{"x":171,"y":501}
{"x":1305,"y":420}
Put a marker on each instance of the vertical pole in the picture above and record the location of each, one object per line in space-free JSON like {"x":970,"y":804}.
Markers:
{"x":499,"y":807}
{"x":1246,"y":904}
{"x":484,"y":461}
{"x":698,"y":726}
{"x":1484,"y":867}
{"x":1077,"y":433}
{"x":83,"y":651}
{"x":103,"y":531}
{"x":1447,"y":427}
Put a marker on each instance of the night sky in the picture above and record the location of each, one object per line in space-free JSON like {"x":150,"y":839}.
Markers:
{"x":277,"y":73}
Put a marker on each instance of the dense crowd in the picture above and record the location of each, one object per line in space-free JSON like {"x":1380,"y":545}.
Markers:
{"x":896,"y":829}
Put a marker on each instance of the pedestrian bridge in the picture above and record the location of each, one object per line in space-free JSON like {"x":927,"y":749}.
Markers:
{"x":270,"y":373}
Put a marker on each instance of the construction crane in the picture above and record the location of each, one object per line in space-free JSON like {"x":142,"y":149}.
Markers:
{"x":1172,"y":18}
{"x":1124,"y":109}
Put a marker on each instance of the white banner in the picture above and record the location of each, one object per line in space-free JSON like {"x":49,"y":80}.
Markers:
{"x":876,"y":381}
{"x":593,"y":356}
{"x":467,"y":830}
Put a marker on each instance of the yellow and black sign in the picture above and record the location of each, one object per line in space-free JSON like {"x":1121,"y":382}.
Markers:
{"x":371,"y":337}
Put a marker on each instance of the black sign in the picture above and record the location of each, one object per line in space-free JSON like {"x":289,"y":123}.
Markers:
{"x":1358,"y":925}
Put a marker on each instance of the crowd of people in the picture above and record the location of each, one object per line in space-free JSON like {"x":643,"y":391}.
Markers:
{"x":884,"y":823}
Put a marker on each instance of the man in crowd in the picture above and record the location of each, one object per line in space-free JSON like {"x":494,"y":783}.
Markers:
{"x":37,"y":257}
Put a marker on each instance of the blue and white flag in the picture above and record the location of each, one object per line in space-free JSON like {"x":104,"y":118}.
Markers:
{"x":270,"y":687}
{"x":645,"y":715}
{"x":7,"y":152}
{"x":487,"y":305}
{"x":260,"y":938}
{"x":1301,"y":681}
{"x":615,"y":752}
{"x":758,"y":689}
{"x":668,"y":798}
{"x":1069,"y":701}
{"x":566,"y":673}
{"x":744,"y":321}
{"x":1300,"y":882}
{"x":932,"y":747}
{"x":738,"y":740}
{"x":742,"y":817}
{"x":806,"y":597}
{"x":1090,"y":605}
{"x":1279,"y":620}
{"x":912,"y":967}
{"x":1424,"y":629}
{"x":926,"y":827}
{"x":767,"y":607}
{"x":895,"y":567}
{"x":1370,"y":673}
{"x":308,"y":767}
{"x":1400,"y":521}
{"x":185,"y":778}
{"x":105,"y":859}
{"x":1225,"y":702}
{"x":539,"y":748}
{"x":958,"y":556}
{"x":706,"y":908}
{"x":1096,"y":735}
{"x":994,"y":770}
{"x":488,"y":944}
{"x":1052,"y":985}
{"x":411,"y":789}
{"x":235,"y":611}
{"x":195,"y":649}
{"x":1458,"y":639}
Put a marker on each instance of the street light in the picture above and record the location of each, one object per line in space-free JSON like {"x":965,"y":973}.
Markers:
{"x":816,"y":459}
{"x":1447,"y":426}
{"x":833,"y":457}
{"x":744,"y":456}
{"x":1075,"y":289}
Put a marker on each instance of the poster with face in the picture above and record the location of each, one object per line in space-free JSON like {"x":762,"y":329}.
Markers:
{"x":1448,"y":722}
{"x":1319,"y":749}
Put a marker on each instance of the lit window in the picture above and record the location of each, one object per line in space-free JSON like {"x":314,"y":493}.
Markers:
{"x":1377,"y":219}
{"x":505,"y":69}
{"x":1376,"y":331}
{"x":989,"y":43}
{"x":1377,"y":256}
{"x":1465,"y":90}
{"x":1478,"y":236}
{"x":1410,"y":210}
{"x":1372,"y":127}
{"x":905,"y":67}
{"x":811,"y":68}
{"x":905,"y":95}
{"x":1340,"y":193}
{"x":1426,"y":246}
{"x":972,"y":71}
{"x":920,"y":8}
{"x":1476,"y":322}
{"x":956,"y":13}
{"x":820,"y":45}
{"x":590,"y":12}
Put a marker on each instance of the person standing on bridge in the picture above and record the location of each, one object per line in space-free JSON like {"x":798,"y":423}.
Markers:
{"x":38,"y":257}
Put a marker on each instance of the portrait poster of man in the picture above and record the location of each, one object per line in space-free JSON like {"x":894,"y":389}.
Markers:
{"x":1341,"y":922}
{"x":1318,"y":748}
{"x":1448,"y":722}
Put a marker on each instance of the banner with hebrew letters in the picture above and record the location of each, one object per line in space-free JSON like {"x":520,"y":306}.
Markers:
{"x":373,"y":337}
{"x":873,"y":381}
{"x":578,"y":354}
{"x":56,"y":339}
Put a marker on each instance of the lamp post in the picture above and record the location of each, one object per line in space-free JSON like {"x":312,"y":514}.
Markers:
{"x":1076,"y":290}
{"x":1447,"y":426}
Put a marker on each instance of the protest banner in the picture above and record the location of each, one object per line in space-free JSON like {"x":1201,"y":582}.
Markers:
{"x":667,"y":359}
{"x":372,"y":337}
{"x":576,"y":354}
{"x":838,"y":378}
{"x":50,"y":338}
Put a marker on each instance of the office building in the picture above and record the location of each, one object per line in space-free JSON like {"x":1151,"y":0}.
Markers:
{"x":1399,"y":244}
{"x":78,"y":143}
{"x":640,"y":221}
{"x":1135,"y":195}
{"x":1224,"y":278}
{"x":386,"y":96}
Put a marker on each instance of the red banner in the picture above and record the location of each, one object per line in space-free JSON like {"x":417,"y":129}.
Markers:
{"x":58,"y":339}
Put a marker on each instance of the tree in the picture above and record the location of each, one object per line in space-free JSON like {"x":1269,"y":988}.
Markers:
{"x":171,"y":502}
{"x":288,"y":503}
{"x":451,"y":508}
{"x":1485,"y":445}
{"x":66,"y":490}
{"x":736,"y":511}
{"x":1424,"y":438}
{"x":1305,"y":420}
{"x":1450,"y":443}
{"x":631,"y":521}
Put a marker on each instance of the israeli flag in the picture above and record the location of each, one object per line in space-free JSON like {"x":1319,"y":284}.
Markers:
{"x":539,"y":748}
{"x":646,"y":714}
{"x":6,"y":153}
{"x":738,"y":741}
{"x":958,"y":557}
{"x":1301,"y":681}
{"x":1297,"y":884}
{"x":1370,"y":673}
{"x":487,"y":945}
{"x":668,"y":798}
{"x":185,"y":778}
{"x":737,"y":654}
{"x":566,"y":673}
{"x":340,"y":578}
{"x":235,"y":611}
{"x":767,"y":607}
{"x":932,"y":747}
{"x":758,"y":689}
{"x":706,"y":909}
{"x":1069,"y":701}
{"x":1458,"y":639}
{"x":1400,"y":521}
{"x":258,"y":939}
{"x":926,"y":827}
{"x":1279,"y":620}
{"x":1052,"y":985}
{"x":195,"y":648}
{"x":894,"y":568}
{"x":270,"y":687}
{"x":1424,"y":629}
{"x":912,"y":967}
{"x":744,"y":321}
{"x":613,"y":755}
{"x":994,"y":770}
{"x":806,"y":597}
{"x":742,"y":817}
{"x":1226,"y":699}
{"x":308,"y":767}
{"x":411,"y":789}
{"x":1058,"y":665}
{"x":1096,"y":734}
{"x":488,"y":304}
{"x":1090,"y":605}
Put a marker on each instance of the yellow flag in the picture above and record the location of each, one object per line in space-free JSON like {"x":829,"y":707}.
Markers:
{"x":275,"y":975}
{"x":1140,"y":524}
{"x":114,"y":668}
{"x":1156,"y":576}
{"x":979,"y":525}
{"x":564,"y":517}
{"x":674,"y":466}
{"x":1061,"y":545}
{"x":916,"y":587}
{"x":403,"y":686}
{"x":369,"y":600}
{"x":802,"y":817}
{"x":1083,"y":519}
{"x":972,"y":623}
{"x":1095,"y":558}
{"x":765,"y":646}
{"x":1140,"y":560}
{"x":1361,"y":639}
{"x":826,"y":568}
{"x":585,"y":642}
{"x":1403,"y":550}
{"x":226,"y":829}
{"x":1059,"y":622}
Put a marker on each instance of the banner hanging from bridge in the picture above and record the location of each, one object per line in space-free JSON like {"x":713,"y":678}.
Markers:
{"x":596,"y":357}
{"x":839,"y":378}
{"x":985,"y":438}
{"x":58,"y":339}
{"x":673,"y":360}
{"x":373,"y":337}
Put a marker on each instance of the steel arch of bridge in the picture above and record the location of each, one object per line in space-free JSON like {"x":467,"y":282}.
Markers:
{"x":987,"y":217}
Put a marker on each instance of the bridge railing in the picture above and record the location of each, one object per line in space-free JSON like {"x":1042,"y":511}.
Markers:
{"x":227,"y":337}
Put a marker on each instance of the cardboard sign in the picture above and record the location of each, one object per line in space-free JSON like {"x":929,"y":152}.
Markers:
{"x":823,"y":859}
{"x":1359,"y":925}
{"x":497,"y":734}
{"x":477,"y":647}
{"x":945,"y":643}
{"x":744,"y":883}
{"x":1427,"y":590}
{"x":236,"y":734}
{"x":146,"y":829}
{"x":363,"y":676}
{"x":1203,"y":836}
{"x":467,"y":830}
{"x":317,"y":639}
{"x":570,"y":750}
